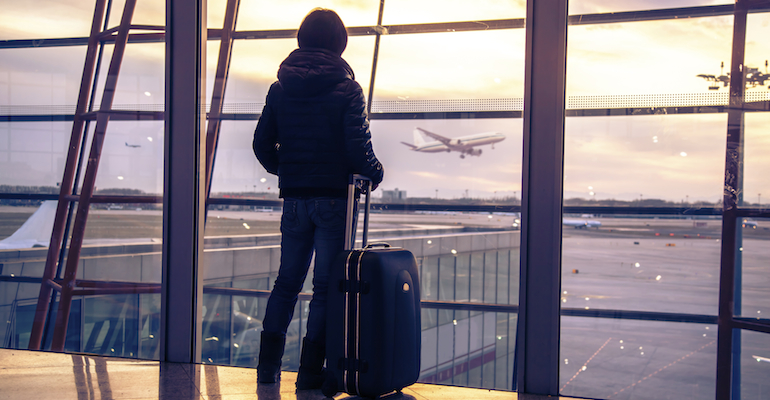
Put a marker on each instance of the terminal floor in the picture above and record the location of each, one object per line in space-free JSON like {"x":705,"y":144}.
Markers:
{"x":43,"y":375}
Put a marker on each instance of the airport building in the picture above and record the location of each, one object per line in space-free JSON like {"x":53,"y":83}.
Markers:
{"x":616,"y":246}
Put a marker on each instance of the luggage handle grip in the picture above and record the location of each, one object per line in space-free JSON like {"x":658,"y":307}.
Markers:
{"x":377,"y":244}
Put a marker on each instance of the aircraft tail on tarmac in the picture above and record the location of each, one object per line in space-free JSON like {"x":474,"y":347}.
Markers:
{"x":36,"y":231}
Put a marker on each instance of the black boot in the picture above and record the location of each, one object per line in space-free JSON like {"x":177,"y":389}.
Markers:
{"x":270,"y":354}
{"x":311,"y":366}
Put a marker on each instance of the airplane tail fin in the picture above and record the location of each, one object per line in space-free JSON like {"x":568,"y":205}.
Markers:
{"x":419,"y":140}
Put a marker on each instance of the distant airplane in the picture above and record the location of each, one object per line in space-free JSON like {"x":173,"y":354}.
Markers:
{"x":581,"y":223}
{"x":754,"y":77}
{"x":463,"y":144}
{"x":133,"y":145}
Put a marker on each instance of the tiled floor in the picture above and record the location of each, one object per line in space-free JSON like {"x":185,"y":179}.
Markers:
{"x":42,"y":375}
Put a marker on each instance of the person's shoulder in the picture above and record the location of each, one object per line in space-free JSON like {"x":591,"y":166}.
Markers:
{"x":350,"y":89}
{"x":275,"y":87}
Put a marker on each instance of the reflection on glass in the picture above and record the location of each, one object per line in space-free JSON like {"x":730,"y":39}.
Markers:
{"x":422,"y":11}
{"x":754,"y":361}
{"x":652,"y":57}
{"x":267,"y":15}
{"x":456,"y":65}
{"x":114,"y":309}
{"x":472,"y":351}
{"x":48,"y":20}
{"x":254,"y":67}
{"x":753,"y":298}
{"x":33,"y":85}
{"x":624,"y":359}
{"x":32,"y":154}
{"x":593,"y":6}
{"x":140,"y":84}
{"x":651,"y":160}
{"x":756,"y":145}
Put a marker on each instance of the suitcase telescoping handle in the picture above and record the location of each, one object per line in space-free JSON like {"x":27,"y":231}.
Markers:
{"x":358,"y":185}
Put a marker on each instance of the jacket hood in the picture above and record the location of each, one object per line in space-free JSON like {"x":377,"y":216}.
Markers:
{"x":311,"y":72}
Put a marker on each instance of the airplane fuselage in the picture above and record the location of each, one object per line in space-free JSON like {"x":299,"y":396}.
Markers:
{"x":464,"y":144}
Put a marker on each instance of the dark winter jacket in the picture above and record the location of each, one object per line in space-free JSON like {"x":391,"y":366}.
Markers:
{"x":314,"y":131}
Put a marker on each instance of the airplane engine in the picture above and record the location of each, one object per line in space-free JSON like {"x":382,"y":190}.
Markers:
{"x":474,"y":152}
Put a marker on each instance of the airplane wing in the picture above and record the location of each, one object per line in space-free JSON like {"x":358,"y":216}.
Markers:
{"x":411,"y":146}
{"x":443,"y":139}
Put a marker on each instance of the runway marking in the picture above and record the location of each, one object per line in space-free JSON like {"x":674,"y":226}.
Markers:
{"x":654,"y":373}
{"x":581,"y":369}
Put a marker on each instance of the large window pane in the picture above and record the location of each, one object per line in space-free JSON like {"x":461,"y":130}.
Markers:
{"x":451,"y":65}
{"x":39,"y":19}
{"x":753,"y":296}
{"x":31,"y":84}
{"x":642,"y":131}
{"x":121,"y":252}
{"x":263,"y":15}
{"x":624,"y":359}
{"x":495,"y":174}
{"x":600,"y":6}
{"x":754,"y":362}
{"x":420,"y":12}
{"x":462,"y":256}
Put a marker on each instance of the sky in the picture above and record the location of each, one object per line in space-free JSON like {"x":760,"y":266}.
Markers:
{"x":673,"y":157}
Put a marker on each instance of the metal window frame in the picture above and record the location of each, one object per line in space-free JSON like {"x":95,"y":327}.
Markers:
{"x":184,"y":196}
{"x":538,"y":332}
{"x":547,"y":20}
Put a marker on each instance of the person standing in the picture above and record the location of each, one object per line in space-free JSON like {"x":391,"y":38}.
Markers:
{"x":313,"y":133}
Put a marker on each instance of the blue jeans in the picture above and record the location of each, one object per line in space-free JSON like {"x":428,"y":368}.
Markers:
{"x":306,"y":224}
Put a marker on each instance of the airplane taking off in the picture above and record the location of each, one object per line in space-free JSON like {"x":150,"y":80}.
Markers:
{"x":463,"y":144}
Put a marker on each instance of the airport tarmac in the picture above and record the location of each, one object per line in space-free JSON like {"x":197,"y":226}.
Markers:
{"x":630,"y":264}
{"x":630,"y":359}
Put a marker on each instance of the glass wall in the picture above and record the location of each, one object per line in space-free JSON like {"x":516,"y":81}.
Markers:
{"x":419,"y":74}
{"x":113,"y":246}
{"x":644,"y":159}
{"x":644,"y":162}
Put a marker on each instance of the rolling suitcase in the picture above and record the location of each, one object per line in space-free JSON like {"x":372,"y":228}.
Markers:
{"x":373,"y":313}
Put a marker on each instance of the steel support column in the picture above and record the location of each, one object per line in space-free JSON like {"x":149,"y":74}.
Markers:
{"x":379,"y":30}
{"x":184,"y":197}
{"x":731,"y":197}
{"x":70,"y":171}
{"x":218,"y":93}
{"x":537,"y":354}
